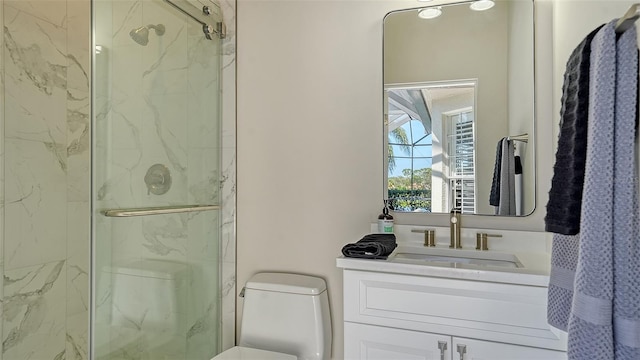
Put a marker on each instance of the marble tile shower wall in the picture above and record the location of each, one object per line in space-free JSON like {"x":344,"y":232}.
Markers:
{"x":46,"y":141}
{"x":45,"y":162}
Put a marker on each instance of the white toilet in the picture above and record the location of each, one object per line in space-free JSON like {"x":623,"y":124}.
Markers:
{"x":285,"y":316}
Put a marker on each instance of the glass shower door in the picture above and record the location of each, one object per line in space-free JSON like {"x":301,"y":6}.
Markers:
{"x":156,"y":179}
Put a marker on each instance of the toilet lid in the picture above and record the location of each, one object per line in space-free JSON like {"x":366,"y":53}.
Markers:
{"x":245,"y":353}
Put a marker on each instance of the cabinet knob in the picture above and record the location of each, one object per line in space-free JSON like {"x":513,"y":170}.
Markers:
{"x":462,"y":349}
{"x":442,"y":345}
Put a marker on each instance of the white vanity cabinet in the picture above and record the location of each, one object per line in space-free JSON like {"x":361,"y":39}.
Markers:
{"x":383,"y":343}
{"x":473,"y":349}
{"x":398,"y":316}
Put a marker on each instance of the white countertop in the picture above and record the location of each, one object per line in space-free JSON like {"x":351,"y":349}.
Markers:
{"x":534,"y":270}
{"x":532,"y":249}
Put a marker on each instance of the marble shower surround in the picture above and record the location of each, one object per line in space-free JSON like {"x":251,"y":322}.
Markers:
{"x":46,"y":117}
{"x":46,"y":166}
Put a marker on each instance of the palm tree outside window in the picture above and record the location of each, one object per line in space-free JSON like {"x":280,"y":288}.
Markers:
{"x":410,"y":159}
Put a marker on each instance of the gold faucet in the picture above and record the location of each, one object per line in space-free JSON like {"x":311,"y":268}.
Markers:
{"x":455,"y":224}
{"x":482,"y":240}
{"x":429,"y":236}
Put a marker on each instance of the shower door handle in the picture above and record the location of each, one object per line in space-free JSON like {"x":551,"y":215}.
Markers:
{"x":158,"y":210}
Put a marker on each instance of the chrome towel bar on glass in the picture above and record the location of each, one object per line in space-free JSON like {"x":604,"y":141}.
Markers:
{"x":159,"y":210}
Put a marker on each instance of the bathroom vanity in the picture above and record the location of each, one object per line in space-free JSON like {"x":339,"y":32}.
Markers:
{"x":440,"y":303}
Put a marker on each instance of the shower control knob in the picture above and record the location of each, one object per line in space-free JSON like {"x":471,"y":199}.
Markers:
{"x":206,"y":10}
{"x":158,"y":179}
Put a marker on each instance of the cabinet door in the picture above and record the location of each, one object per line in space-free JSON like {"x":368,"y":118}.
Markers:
{"x":469,"y":349}
{"x":381,"y":343}
{"x":504,"y":313}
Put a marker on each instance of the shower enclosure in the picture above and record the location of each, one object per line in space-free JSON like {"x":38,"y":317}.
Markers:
{"x":156,"y":179}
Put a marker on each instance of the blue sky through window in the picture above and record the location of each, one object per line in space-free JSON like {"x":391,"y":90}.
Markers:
{"x":420,"y":153}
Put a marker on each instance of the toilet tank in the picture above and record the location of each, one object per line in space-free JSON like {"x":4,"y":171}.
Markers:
{"x":149,"y":295}
{"x":287,"y":313}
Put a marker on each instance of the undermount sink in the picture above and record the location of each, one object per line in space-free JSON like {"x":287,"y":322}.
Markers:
{"x":441,"y":256}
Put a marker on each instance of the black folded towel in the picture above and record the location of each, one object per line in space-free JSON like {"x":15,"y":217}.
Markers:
{"x":372,"y":246}
{"x":565,"y":196}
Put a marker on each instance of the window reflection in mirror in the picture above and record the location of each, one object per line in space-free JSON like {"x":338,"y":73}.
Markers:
{"x":440,"y":156}
{"x":431,"y":147}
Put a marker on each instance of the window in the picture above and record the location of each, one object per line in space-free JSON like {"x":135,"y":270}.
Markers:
{"x":460,"y":151}
{"x":430,"y":146}
{"x":409,"y":165}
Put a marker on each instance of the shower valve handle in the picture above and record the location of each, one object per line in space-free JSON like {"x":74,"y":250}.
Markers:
{"x":158,"y":179}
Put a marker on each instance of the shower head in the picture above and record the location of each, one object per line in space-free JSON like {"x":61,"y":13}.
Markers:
{"x":141,"y":34}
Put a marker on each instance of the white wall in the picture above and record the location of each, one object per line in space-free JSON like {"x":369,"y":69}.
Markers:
{"x":309,"y":136}
{"x":310,"y":133}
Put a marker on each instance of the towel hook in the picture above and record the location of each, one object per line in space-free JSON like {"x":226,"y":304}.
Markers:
{"x":627,"y":21}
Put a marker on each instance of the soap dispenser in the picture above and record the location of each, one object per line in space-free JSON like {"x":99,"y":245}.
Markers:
{"x":385,"y":220}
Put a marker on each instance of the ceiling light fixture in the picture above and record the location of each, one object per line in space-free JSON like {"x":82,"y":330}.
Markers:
{"x":430,"y":13}
{"x":481,"y":5}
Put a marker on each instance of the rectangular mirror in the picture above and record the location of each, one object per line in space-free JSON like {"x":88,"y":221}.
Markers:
{"x":459,"y":108}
